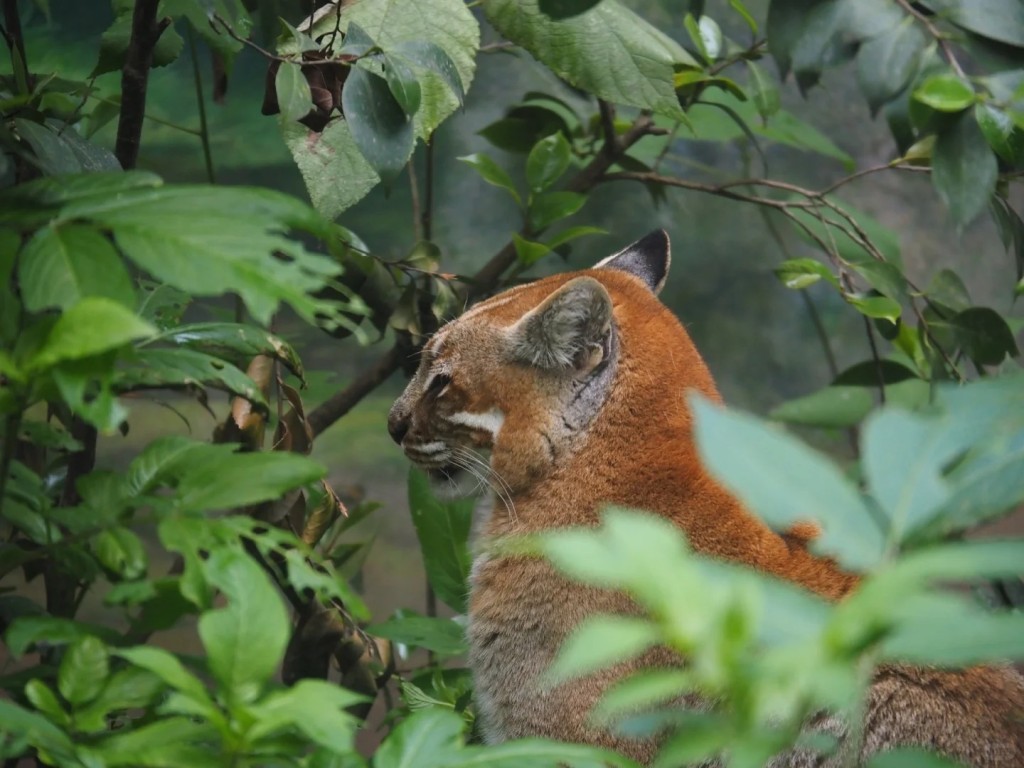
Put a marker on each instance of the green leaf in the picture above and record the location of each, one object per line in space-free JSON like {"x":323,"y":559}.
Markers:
{"x":120,"y":551}
{"x":58,"y":152}
{"x":600,"y":642}
{"x":832,"y":406}
{"x":403,"y":84}
{"x":1001,"y":133}
{"x":529,"y":252}
{"x":315,"y":708}
{"x":785,"y":482}
{"x":887,"y":63}
{"x":608,"y":51}
{"x":126,"y":689}
{"x":92,"y":326}
{"x":442,"y":636}
{"x":245,"y":640}
{"x":1001,"y":20}
{"x":170,"y":741}
{"x":800,"y":273}
{"x":294,"y":98}
{"x":114,"y":46}
{"x":172,"y":368}
{"x":169,"y":669}
{"x":964,"y":169}
{"x":984,"y":335}
{"x":427,"y":739}
{"x":417,"y":32}
{"x":763,"y":91}
{"x":572,"y":233}
{"x":242,"y":341}
{"x":83,"y":670}
{"x":58,"y":267}
{"x":870,"y":372}
{"x":550,"y":207}
{"x":443,"y":532}
{"x":28,"y":630}
{"x":380,"y":128}
{"x":492,"y":173}
{"x":876,"y":306}
{"x":323,"y":158}
{"x":641,"y":691}
{"x":42,"y":697}
{"x":547,"y":161}
{"x":945,"y":93}
{"x":563,"y":9}
{"x":39,"y":732}
{"x":241,"y":479}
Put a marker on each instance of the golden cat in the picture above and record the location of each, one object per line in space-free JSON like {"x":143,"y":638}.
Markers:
{"x":575,"y":383}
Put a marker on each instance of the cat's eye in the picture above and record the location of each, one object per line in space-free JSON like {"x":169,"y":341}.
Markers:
{"x":439,"y":382}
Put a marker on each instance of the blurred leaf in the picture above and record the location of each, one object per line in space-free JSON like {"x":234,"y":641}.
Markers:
{"x":550,"y":207}
{"x":492,"y":173}
{"x":245,"y":341}
{"x":58,"y":152}
{"x":403,"y":84}
{"x":168,"y":668}
{"x":547,"y":161}
{"x":427,"y":739}
{"x":120,"y":551}
{"x":833,"y":406}
{"x":130,"y":688}
{"x":58,"y":267}
{"x":380,"y":128}
{"x":162,"y":305}
{"x":800,"y":273}
{"x":764,"y":91}
{"x":1001,"y":20}
{"x":563,"y":9}
{"x":948,"y":289}
{"x":316,"y":708}
{"x":442,"y":636}
{"x":784,"y":482}
{"x":572,"y":233}
{"x":39,"y":732}
{"x":600,"y":642}
{"x":244,"y":641}
{"x":529,"y":252}
{"x":443,"y":532}
{"x":114,"y":46}
{"x":170,"y":741}
{"x":1001,"y":133}
{"x":169,"y":368}
{"x":881,"y":307}
{"x":92,"y":326}
{"x":868,"y":374}
{"x":946,"y":93}
{"x":840,"y":233}
{"x":294,"y":97}
{"x":42,"y":697}
{"x":83,"y":670}
{"x":887,"y":63}
{"x":433,"y":58}
{"x":609,"y":51}
{"x":28,"y":630}
{"x":240,"y":479}
{"x":984,"y":335}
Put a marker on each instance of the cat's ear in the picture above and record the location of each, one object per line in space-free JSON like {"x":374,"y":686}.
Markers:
{"x":566,"y":331}
{"x":648,"y":258}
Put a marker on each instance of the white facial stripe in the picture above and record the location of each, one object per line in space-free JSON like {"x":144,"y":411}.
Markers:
{"x":433,"y":447}
{"x":488,"y":421}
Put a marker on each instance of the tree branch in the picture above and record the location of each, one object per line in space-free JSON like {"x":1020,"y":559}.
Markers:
{"x":146,"y":30}
{"x":340,"y":403}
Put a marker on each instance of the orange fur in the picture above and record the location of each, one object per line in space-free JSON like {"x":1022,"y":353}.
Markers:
{"x":637,"y":451}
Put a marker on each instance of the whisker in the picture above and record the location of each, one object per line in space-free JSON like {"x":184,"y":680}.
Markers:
{"x":493,"y":480}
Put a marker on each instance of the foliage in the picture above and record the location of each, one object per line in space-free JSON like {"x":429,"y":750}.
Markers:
{"x":100,"y":263}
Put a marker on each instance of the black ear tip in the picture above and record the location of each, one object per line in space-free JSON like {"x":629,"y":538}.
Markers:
{"x":648,"y":258}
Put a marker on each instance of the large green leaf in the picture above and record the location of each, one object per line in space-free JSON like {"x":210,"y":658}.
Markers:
{"x":240,"y":479}
{"x":378,"y":124}
{"x":964,"y":168}
{"x":427,"y":739}
{"x":166,"y":743}
{"x":600,"y":642}
{"x":91,"y":327}
{"x":171,"y":368}
{"x":115,"y":40}
{"x":59,"y":266}
{"x":441,"y":636}
{"x":785,"y":482}
{"x":323,"y":159}
{"x":316,"y":708}
{"x":245,"y":640}
{"x":832,"y":406}
{"x":83,"y":670}
{"x":443,"y":532}
{"x":37,"y":731}
{"x":608,"y":51}
{"x":1001,"y":20}
{"x":235,"y":339}
{"x":886,"y":64}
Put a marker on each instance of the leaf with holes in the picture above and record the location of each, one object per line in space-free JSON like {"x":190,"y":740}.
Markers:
{"x":174,"y":368}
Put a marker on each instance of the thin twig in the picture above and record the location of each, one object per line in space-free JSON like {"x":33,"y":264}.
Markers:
{"x":427,"y":217}
{"x":879,"y":371}
{"x":936,"y":33}
{"x":204,"y":131}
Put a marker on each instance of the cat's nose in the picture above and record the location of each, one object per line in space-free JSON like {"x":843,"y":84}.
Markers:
{"x":398,"y":427}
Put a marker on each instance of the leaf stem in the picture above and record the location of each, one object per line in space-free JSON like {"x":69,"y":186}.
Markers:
{"x":204,"y":129}
{"x":935,"y":32}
